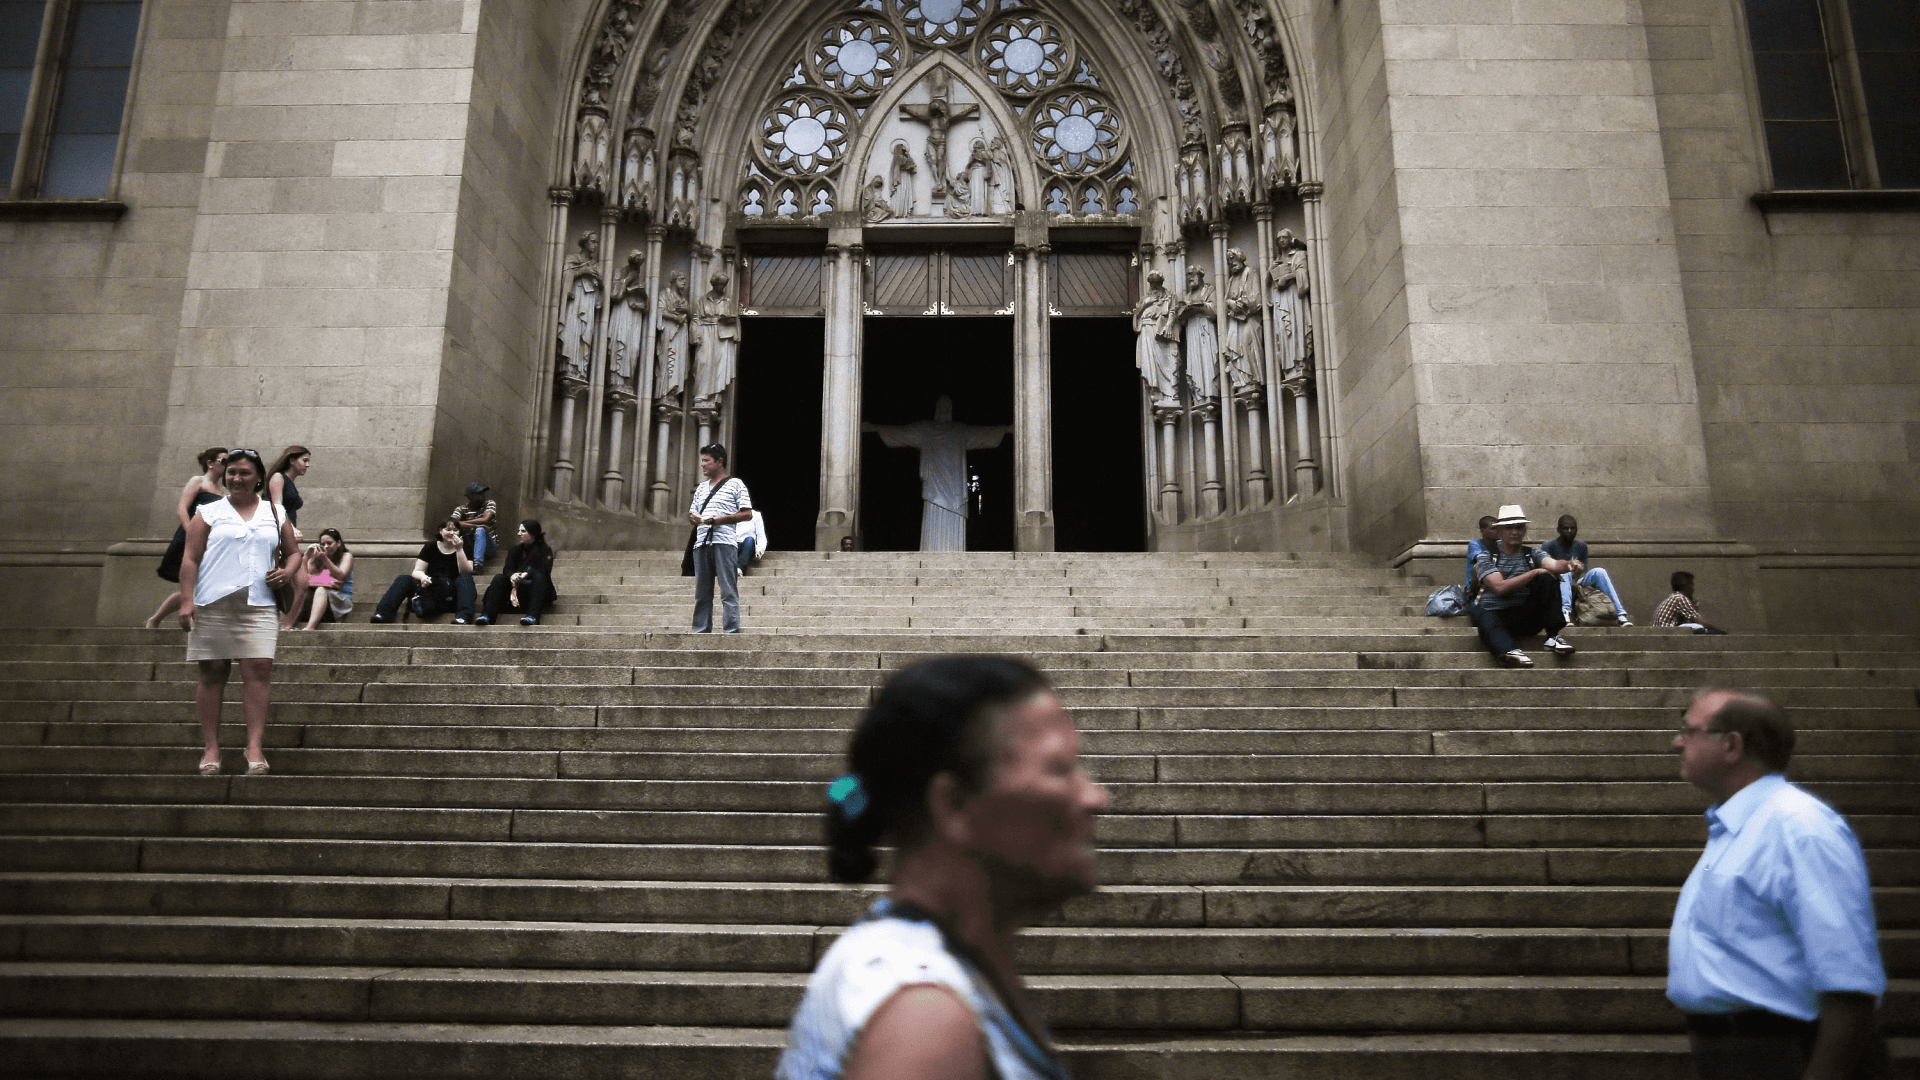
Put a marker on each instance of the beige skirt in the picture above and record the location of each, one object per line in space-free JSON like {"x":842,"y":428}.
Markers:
{"x":229,"y":629}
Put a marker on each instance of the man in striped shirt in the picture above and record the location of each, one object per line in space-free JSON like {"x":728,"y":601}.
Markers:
{"x":718,"y":504}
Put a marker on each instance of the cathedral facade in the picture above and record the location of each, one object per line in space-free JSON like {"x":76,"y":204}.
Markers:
{"x":1231,"y":274}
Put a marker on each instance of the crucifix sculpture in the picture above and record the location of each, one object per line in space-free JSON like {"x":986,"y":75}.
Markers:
{"x":938,"y":114}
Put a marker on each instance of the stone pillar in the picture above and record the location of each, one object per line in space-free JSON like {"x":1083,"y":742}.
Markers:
{"x":840,"y":392}
{"x":1273,"y":461}
{"x":1032,"y":400}
{"x":1230,"y":442}
{"x":1319,"y":318}
{"x":612,"y":483}
{"x":643,"y":368}
{"x":538,"y":472}
{"x":602,"y":345}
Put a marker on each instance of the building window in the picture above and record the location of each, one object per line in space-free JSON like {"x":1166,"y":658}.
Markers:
{"x":1839,"y":85}
{"x":65,"y":66}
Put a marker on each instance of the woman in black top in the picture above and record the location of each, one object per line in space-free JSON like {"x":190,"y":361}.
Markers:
{"x":442,"y":580}
{"x":527,"y":583}
{"x":201,"y":490}
{"x":294,"y":462}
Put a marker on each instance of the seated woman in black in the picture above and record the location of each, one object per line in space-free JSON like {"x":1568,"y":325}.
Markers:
{"x":527,"y":582}
{"x":442,"y":580}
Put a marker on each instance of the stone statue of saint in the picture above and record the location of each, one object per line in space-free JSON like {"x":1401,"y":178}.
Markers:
{"x":979,"y":172}
{"x":1203,"y":341}
{"x":959,"y":196}
{"x":1000,"y":187}
{"x":1292,"y":316}
{"x":873,"y":201}
{"x":943,"y":447}
{"x":627,"y":322}
{"x":671,"y":373}
{"x":581,"y":310}
{"x":1157,"y":353}
{"x":1242,"y":347}
{"x":716,"y":341}
{"x":900,"y":175}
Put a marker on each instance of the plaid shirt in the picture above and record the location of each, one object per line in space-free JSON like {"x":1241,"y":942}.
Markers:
{"x":1674,"y":610}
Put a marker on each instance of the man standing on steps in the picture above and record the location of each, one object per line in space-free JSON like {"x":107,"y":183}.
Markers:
{"x":1518,"y":593}
{"x":718,"y":504}
{"x":1773,"y":955}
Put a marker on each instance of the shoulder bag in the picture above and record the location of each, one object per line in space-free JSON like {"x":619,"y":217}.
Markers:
{"x":686,"y":560}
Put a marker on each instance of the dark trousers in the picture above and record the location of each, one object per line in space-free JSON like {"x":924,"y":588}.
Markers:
{"x":715,"y":562}
{"x":1539,"y":613}
{"x":536,"y":592}
{"x":433,"y":599}
{"x":1777,"y":1048}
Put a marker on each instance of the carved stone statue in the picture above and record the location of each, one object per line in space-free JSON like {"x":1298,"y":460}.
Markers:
{"x":1242,"y":347}
{"x":1202,"y":340}
{"x":959,"y":196}
{"x":900,"y":176}
{"x":979,"y":172}
{"x":1292,"y":316}
{"x":716,"y":341}
{"x":1000,"y":193}
{"x":627,"y":323}
{"x":873,"y":201}
{"x":943,"y":447}
{"x":637,"y":171}
{"x":592,"y":154}
{"x":1157,"y":351}
{"x":670,"y":374}
{"x":939,"y":114}
{"x":581,"y":310}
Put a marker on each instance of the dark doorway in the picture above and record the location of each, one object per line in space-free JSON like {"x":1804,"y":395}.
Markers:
{"x":777,"y":446}
{"x":907,"y":364}
{"x":1099,"y":500}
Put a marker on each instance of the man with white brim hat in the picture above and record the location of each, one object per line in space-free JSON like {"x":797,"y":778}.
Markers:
{"x":1519,"y":592}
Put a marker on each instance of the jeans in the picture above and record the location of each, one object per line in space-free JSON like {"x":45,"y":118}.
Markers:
{"x":713,"y":561}
{"x":1538,"y":613}
{"x":536,"y":592}
{"x":434,"y":599}
{"x":479,"y":546}
{"x":745,"y":559}
{"x":1596,"y":577}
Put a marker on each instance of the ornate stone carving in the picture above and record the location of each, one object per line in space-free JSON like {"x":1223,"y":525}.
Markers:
{"x":670,"y":369}
{"x":939,"y":114}
{"x":707,"y":69}
{"x":592,"y":153}
{"x":627,"y":325}
{"x":856,"y":56}
{"x":1242,"y":348}
{"x":900,"y":173}
{"x":1157,"y":351}
{"x":1201,"y":338}
{"x":1024,"y":54}
{"x":1289,"y":295}
{"x":1237,"y":185}
{"x":637,"y":171}
{"x":1280,"y":160}
{"x":939,"y":22}
{"x":581,"y":311}
{"x":873,"y":201}
{"x":979,"y":176}
{"x":804,"y":132}
{"x":1000,"y":189}
{"x":716,"y":343}
{"x":683,"y":189}
{"x":1196,"y":198}
{"x":1077,"y":132}
{"x":1146,"y":21}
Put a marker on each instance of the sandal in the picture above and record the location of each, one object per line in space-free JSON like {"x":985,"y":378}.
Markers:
{"x":256,"y":768}
{"x":209,"y":768}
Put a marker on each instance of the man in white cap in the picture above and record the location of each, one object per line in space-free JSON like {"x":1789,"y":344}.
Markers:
{"x":1519,"y":593}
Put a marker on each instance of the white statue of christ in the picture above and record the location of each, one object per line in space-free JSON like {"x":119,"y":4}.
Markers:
{"x":943,"y":447}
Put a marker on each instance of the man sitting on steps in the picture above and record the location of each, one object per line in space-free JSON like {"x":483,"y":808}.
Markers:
{"x":1567,"y":547}
{"x":1518,"y":593}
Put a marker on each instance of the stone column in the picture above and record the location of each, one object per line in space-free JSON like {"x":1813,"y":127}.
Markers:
{"x":643,"y":369}
{"x":602,"y":345}
{"x":840,"y":392}
{"x":1319,"y":318}
{"x":1032,"y":401}
{"x":1229,"y":439}
{"x":538,"y":473}
{"x":1267,"y":459}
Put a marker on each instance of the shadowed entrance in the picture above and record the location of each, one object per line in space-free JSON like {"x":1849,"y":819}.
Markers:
{"x":1099,"y":500}
{"x":777,"y":450}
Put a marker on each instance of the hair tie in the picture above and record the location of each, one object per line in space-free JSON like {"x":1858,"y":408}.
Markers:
{"x":849,"y":795}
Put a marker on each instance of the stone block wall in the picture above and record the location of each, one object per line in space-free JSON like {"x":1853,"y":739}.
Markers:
{"x":317,"y":285}
{"x":1805,"y":326}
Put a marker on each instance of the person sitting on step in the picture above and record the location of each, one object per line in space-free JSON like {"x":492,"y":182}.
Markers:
{"x":441,"y":580}
{"x":1518,"y":593}
{"x":1486,"y":541}
{"x":1567,"y":547}
{"x":324,"y":593}
{"x":526,"y":583}
{"x":476,"y":517}
{"x":1679,"y":609}
{"x":970,"y":768}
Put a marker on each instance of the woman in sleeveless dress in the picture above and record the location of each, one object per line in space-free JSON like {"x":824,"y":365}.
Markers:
{"x":970,"y":767}
{"x":227,"y":578}
{"x":202,"y":489}
{"x":292,"y":464}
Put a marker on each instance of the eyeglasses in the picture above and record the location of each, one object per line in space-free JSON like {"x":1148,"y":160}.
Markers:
{"x":1688,"y":731}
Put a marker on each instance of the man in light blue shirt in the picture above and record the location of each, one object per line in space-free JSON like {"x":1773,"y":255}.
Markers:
{"x":1773,"y":955}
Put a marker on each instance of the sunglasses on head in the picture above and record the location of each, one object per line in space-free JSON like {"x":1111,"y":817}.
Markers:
{"x":235,"y":455}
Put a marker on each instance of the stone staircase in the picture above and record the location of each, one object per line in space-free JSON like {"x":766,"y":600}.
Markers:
{"x":1341,"y":843}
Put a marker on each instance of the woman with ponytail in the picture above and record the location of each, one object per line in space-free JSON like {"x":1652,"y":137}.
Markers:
{"x":969,"y":768}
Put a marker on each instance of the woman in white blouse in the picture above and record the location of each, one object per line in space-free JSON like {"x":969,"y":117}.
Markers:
{"x":227,"y":578}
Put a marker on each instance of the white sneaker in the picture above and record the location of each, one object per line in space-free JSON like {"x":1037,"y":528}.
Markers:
{"x":1559,"y":646}
{"x":1516,"y":658}
{"x":1624,"y":621}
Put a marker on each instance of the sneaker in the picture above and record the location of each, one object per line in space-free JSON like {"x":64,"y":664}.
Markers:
{"x":483,"y":621}
{"x":417,"y":606}
{"x":528,"y":620}
{"x":376,"y":617}
{"x":1559,"y":645}
{"x":1516,"y":658}
{"x":1624,"y":621}
{"x":458,"y":621}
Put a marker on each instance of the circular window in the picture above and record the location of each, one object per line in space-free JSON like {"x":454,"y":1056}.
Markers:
{"x":804,"y":133}
{"x":940,"y":22}
{"x":1076,"y":132}
{"x":856,"y":56}
{"x":1024,"y":54}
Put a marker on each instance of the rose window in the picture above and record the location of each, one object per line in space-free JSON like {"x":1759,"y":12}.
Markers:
{"x":804,"y":133}
{"x":1024,"y":55}
{"x":857,"y":56}
{"x":1076,"y":132}
{"x":939,"y":22}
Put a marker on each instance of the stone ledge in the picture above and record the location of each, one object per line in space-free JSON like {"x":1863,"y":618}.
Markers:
{"x":61,"y":210}
{"x":1853,"y":201}
{"x":1609,"y":549}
